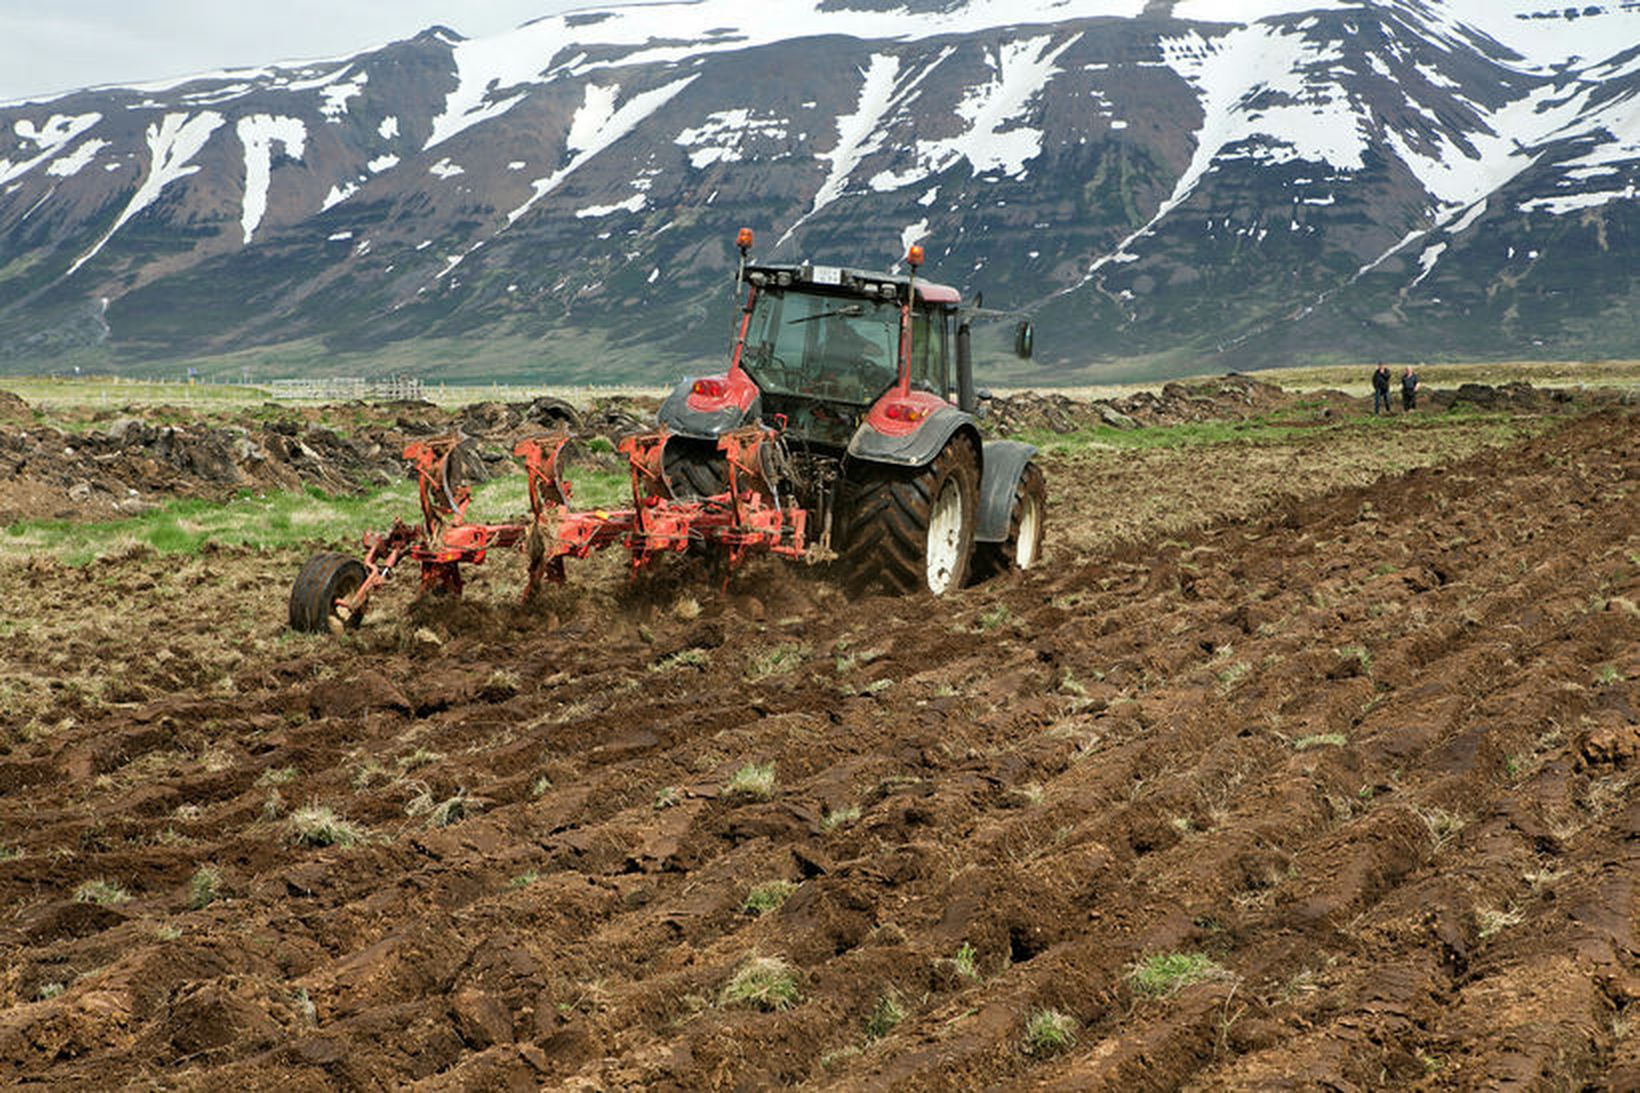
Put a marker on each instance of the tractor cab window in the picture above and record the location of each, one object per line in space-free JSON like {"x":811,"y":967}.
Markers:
{"x":929,"y":344}
{"x":829,"y":347}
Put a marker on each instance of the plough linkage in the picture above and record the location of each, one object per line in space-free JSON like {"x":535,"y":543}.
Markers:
{"x":745,"y":518}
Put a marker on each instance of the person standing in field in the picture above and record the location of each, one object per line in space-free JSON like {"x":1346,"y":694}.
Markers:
{"x":1380,"y":388}
{"x":1409,"y":389}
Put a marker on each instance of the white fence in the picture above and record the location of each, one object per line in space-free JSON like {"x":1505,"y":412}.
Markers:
{"x":343,"y":388}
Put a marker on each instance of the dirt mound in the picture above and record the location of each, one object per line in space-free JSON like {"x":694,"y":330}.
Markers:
{"x":1337,"y":793}
{"x":112,"y":464}
{"x":1519,"y":398}
{"x":1235,"y":397}
{"x":1232,"y":397}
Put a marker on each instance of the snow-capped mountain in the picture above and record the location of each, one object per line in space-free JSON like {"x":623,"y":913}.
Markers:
{"x":1167,"y":185}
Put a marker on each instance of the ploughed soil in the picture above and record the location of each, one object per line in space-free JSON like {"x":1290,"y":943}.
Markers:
{"x":1351,"y":732}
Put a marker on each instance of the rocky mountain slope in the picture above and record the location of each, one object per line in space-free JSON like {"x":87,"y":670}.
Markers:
{"x":1164,"y":190}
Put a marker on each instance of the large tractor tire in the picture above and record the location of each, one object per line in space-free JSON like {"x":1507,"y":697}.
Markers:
{"x":912,"y":528}
{"x":694,"y":468}
{"x":1022,"y":549}
{"x":325,"y":579}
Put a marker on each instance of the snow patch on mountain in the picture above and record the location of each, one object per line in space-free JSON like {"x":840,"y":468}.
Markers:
{"x":633,"y":204}
{"x":724,"y":135}
{"x":337,"y":195}
{"x":494,"y":73}
{"x":258,"y":134}
{"x":172,"y":143}
{"x":997,"y":138}
{"x":598,"y":124}
{"x":1259,"y":101}
{"x":44,"y":141}
{"x":1458,"y":177}
{"x":1543,"y":34}
{"x":77,"y":160}
{"x":335,"y":97}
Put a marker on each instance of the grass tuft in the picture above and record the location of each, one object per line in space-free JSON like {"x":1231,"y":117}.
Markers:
{"x":204,"y":887}
{"x":839,"y":817}
{"x":768,"y":896}
{"x":683,"y":658}
{"x":1443,"y":825}
{"x":1163,"y":974}
{"x":1494,"y":920}
{"x":764,"y":982}
{"x":317,"y":825}
{"x":443,"y":813}
{"x":104,"y":893}
{"x":884,"y":1016}
{"x":754,"y":780}
{"x":776,"y":661}
{"x":1049,"y":1032}
{"x":278,"y":776}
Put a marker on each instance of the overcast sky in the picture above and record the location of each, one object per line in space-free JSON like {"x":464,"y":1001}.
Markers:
{"x":48,"y":46}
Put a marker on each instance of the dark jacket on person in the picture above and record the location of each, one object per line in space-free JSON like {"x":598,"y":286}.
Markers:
{"x":1380,"y":380}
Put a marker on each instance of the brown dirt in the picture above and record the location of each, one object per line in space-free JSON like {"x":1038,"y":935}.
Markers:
{"x":1366,"y":740}
{"x":101,"y":464}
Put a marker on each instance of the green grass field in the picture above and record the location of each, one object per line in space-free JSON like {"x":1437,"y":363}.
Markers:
{"x":283,"y":519}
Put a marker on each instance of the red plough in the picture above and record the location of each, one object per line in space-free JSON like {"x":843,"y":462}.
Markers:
{"x":332,"y":589}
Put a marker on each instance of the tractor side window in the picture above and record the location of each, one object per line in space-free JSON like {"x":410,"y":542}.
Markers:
{"x":928,"y":353}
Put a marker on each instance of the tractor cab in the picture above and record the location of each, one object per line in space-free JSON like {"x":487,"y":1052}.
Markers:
{"x":862,"y":386}
{"x":824,"y":345}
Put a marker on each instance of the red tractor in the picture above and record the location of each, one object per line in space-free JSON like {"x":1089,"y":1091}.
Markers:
{"x":869,"y":379}
{"x":843,"y":430}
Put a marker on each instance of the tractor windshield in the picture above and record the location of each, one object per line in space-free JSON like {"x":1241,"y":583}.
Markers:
{"x":838,"y":348}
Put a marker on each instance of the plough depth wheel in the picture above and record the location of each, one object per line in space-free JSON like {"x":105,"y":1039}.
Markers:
{"x":325,"y":579}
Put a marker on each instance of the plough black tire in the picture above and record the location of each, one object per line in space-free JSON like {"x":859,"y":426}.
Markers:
{"x":1027,"y":515}
{"x":887,"y":518}
{"x":694,"y":468}
{"x":325,"y":579}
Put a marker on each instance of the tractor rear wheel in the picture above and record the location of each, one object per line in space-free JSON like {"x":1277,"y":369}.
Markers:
{"x":325,"y":579}
{"x":911,"y":528}
{"x":1023,"y":546}
{"x":694,"y":468}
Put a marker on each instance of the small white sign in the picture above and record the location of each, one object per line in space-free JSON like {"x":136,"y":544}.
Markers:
{"x":828,"y":275}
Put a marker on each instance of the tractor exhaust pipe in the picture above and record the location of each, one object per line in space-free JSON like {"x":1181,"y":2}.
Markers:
{"x":967,"y":399}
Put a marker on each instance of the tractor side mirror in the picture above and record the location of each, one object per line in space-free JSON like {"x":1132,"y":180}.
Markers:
{"x":1024,"y":339}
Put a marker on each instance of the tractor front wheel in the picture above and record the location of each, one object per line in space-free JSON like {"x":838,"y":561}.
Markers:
{"x":1023,"y":546}
{"x":325,"y":579}
{"x":911,"y":528}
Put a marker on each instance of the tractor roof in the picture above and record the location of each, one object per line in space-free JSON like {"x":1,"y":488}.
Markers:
{"x":857,"y":281}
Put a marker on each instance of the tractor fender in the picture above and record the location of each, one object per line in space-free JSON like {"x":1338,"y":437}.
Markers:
{"x":1004,"y":466}
{"x":706,"y":422}
{"x":915,"y":448}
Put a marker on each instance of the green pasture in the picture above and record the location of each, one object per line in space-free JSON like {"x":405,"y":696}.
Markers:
{"x":271,"y":521}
